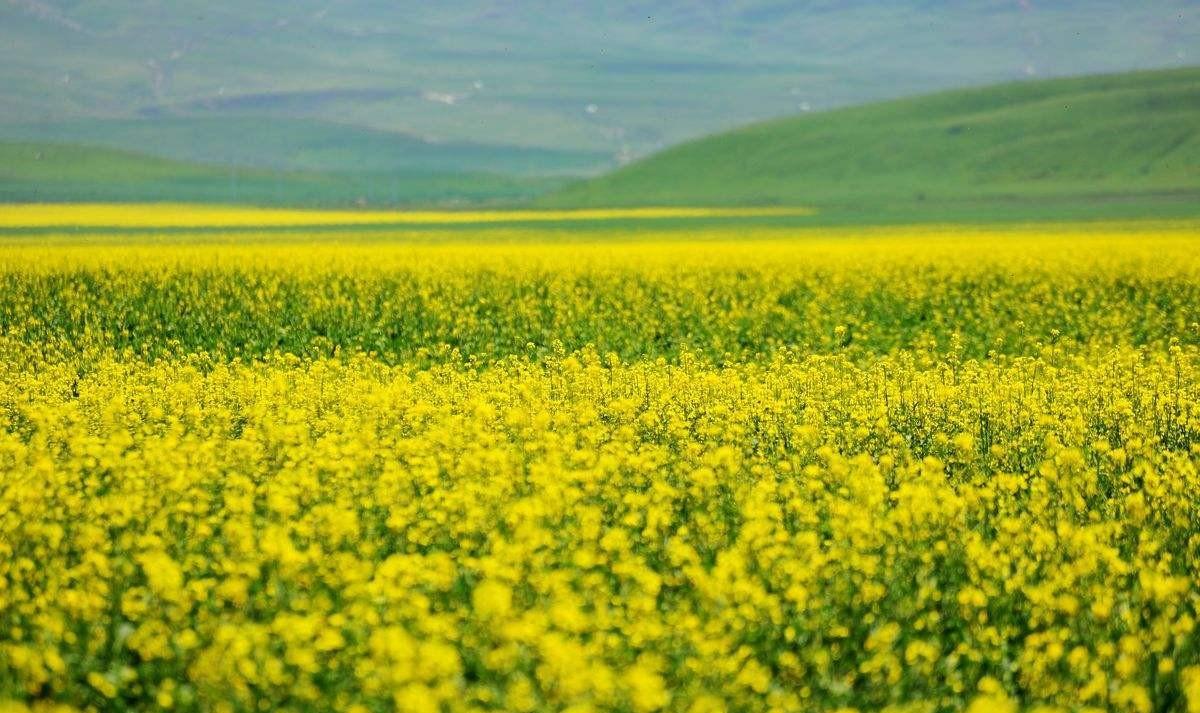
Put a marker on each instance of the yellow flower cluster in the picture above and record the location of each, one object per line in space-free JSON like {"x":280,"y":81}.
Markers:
{"x":975,"y":292}
{"x":655,"y":524}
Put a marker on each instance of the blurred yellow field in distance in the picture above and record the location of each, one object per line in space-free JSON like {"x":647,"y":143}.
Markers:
{"x":166,"y":215}
{"x":717,"y":469}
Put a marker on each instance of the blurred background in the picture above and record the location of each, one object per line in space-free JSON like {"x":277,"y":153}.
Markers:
{"x":371,"y":102}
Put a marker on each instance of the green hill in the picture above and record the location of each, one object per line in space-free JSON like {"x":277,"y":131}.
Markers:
{"x":1116,"y":145}
{"x":621,"y":78}
{"x":44,"y":172}
{"x":287,"y":144}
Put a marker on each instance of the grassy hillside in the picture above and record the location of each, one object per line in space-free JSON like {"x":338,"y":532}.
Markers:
{"x":1112,"y":145}
{"x":370,"y":95}
{"x":58,"y":173}
{"x":525,"y":72}
{"x":302,"y":145}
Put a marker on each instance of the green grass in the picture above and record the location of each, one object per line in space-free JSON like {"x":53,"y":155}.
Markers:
{"x":523,"y":75}
{"x":1105,"y":147}
{"x":302,"y":145}
{"x":1109,"y":146}
{"x":39,"y":172}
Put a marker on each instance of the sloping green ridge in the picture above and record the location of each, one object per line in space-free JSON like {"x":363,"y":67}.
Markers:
{"x":45,"y":172}
{"x":1125,"y":144}
{"x":286,"y":144}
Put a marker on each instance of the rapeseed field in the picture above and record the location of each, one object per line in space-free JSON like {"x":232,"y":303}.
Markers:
{"x":914,"y":469}
{"x":170,"y":215}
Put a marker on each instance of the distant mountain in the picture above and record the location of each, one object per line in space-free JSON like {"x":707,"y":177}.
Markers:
{"x":620,"y":79}
{"x":282,"y":143}
{"x":1125,"y":144}
{"x":53,"y":173}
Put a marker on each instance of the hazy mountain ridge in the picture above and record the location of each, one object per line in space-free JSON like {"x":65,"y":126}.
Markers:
{"x":620,"y":78}
{"x":302,"y":145}
{"x":65,"y":173}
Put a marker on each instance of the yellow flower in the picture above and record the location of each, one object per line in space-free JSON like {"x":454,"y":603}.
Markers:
{"x":492,"y":600}
{"x":992,"y":703}
{"x":646,"y":689}
{"x":1190,"y":680}
{"x":1132,"y":697}
{"x":102,"y":684}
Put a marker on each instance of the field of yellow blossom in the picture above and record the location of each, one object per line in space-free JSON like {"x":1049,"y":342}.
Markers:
{"x":915,"y":469}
